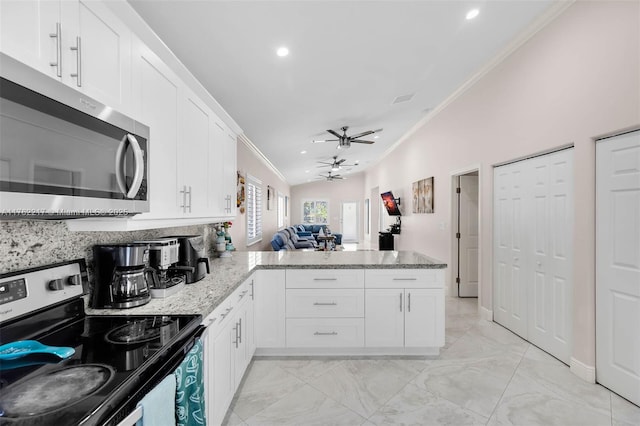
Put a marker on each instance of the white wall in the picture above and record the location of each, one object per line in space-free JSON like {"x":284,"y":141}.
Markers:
{"x":574,"y":81}
{"x":250,"y":163}
{"x":350,"y":189}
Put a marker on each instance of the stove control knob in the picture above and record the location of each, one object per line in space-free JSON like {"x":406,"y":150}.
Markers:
{"x":56,"y":285}
{"x":74,"y":280}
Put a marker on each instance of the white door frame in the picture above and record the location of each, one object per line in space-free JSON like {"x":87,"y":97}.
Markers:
{"x":357,"y":219}
{"x":453,"y":200}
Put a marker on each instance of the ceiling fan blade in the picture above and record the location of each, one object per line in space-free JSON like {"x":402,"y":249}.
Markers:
{"x":325,"y":140}
{"x":361,"y":141}
{"x":334,"y":133}
{"x":340,"y":161}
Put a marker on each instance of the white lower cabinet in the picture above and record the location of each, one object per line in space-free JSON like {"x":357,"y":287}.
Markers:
{"x":229,"y":350}
{"x":270,"y":316}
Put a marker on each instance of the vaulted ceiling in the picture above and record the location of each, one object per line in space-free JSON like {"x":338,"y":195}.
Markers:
{"x":347,"y":63}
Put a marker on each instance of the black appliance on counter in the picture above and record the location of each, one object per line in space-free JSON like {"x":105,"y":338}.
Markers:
{"x":385,"y":241}
{"x":117,"y":359}
{"x":192,"y":257}
{"x":123,"y":275}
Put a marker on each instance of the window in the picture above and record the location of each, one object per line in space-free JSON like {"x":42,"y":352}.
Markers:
{"x":254,"y":210}
{"x":281,"y":210}
{"x":315,"y":212}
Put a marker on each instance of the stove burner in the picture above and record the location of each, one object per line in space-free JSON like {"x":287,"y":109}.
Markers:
{"x":138,"y":331}
{"x":54,"y":390}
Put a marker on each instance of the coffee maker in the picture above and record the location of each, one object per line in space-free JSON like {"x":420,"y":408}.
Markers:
{"x":169,"y":278}
{"x":192,"y":257}
{"x":122,"y":275}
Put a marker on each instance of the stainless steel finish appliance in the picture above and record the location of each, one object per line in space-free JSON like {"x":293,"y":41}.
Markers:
{"x":113,"y":362}
{"x":65,"y":155}
{"x":163,"y":258}
{"x":192,"y":257}
{"x":122,"y":275}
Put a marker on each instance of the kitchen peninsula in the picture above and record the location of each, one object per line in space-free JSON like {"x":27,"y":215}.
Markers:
{"x":290,"y":303}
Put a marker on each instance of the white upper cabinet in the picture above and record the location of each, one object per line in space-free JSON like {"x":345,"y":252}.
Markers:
{"x":80,"y":43}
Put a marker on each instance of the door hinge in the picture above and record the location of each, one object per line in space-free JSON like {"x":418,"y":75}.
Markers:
{"x":457,"y":190}
{"x":457,"y":280}
{"x":458,"y":235}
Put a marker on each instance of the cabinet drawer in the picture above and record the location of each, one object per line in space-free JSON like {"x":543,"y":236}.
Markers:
{"x":327,"y":332}
{"x":325,"y":278}
{"x":404,"y":278}
{"x":325,"y":303}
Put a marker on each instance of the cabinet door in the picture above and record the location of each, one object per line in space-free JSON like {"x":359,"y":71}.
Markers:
{"x":240,"y":344}
{"x":230,"y":174}
{"x":424,"y":318}
{"x":270,"y":323}
{"x":156,"y":91}
{"x":223,"y":374}
{"x":218,"y":206}
{"x":384,"y":317}
{"x":26,"y":29}
{"x":97,"y":53}
{"x":193,"y":151}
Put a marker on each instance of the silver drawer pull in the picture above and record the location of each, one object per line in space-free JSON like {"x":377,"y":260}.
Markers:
{"x":405,"y":279}
{"x":318,"y":333}
{"x":226,"y":313}
{"x":325,"y":279}
{"x":242,"y":294}
{"x":325,"y":304}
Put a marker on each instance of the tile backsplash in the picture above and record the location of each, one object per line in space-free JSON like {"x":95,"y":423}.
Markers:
{"x":30,"y":243}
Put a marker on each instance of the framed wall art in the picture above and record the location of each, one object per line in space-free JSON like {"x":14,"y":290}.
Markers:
{"x":422,"y":191}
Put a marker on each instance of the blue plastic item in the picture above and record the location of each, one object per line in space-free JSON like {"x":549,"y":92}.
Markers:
{"x":15,"y":350}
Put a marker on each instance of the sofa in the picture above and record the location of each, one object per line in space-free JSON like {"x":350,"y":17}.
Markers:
{"x":288,"y":239}
{"x":314,"y":230}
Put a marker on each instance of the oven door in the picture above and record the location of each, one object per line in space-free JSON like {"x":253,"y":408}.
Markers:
{"x":64,"y":154}
{"x":129,"y":413}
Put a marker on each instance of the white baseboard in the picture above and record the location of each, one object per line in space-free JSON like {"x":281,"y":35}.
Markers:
{"x":486,"y":314}
{"x":584,"y":371}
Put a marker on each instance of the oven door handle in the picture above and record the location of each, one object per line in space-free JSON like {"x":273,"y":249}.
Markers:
{"x":138,"y":172}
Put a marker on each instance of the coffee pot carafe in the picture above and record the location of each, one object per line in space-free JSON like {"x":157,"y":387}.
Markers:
{"x":123,"y":275}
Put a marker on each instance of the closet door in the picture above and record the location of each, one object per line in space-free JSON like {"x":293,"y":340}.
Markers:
{"x":510,"y":292}
{"x":618,"y":264}
{"x":550,"y":274}
{"x":533,"y":261}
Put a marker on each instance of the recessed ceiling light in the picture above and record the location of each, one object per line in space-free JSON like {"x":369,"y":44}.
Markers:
{"x":303,"y":152}
{"x":472,"y":13}
{"x":282,"y":51}
{"x":307,"y":171}
{"x":376,"y":137}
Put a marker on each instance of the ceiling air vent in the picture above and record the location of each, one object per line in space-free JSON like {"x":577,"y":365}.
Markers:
{"x":403,"y":98}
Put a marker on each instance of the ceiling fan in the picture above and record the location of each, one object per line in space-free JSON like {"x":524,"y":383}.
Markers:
{"x":345,"y":141}
{"x":336,"y":164}
{"x":330,"y":177}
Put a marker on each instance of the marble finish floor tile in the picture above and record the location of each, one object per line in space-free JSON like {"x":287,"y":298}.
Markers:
{"x":309,"y":404}
{"x":529,"y":402}
{"x":265,"y":383}
{"x":486,"y":339}
{"x":233,"y":420}
{"x":623,"y":412}
{"x":365,"y":385}
{"x":308,"y":369}
{"x":415,"y":406}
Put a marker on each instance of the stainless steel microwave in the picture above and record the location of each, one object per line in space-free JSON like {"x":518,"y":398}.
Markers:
{"x":64,"y":155}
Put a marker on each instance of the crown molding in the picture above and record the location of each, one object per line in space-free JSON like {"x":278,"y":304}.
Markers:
{"x":542,"y":21}
{"x":254,"y":149}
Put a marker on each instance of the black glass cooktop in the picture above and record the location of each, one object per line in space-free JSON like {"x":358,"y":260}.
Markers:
{"x":113,"y":356}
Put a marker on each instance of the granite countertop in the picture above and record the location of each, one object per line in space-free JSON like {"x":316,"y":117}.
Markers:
{"x":227,"y":274}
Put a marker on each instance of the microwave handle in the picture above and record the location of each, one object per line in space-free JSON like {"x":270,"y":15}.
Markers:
{"x":139,"y":166}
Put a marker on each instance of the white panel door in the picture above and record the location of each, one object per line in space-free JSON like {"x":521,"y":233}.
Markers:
{"x":550,"y":268}
{"x":349,"y":221}
{"x":618,"y":265}
{"x":510,"y":295}
{"x":468,"y":241}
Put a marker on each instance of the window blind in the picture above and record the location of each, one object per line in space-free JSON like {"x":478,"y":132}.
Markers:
{"x":254,"y":210}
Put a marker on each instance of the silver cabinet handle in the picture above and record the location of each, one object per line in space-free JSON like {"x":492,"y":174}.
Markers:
{"x":58,"y":62}
{"x":243,"y":294}
{"x":409,"y":302}
{"x":78,"y":73}
{"x":251,"y":289}
{"x":183,"y":206}
{"x":240,"y":330}
{"x":400,"y":302}
{"x":405,"y":279}
{"x":236,"y":330}
{"x":226,"y":313}
{"x":138,"y":170}
{"x":189,"y":198}
{"x":332,"y":333}
{"x":325,"y":279}
{"x":325,"y":304}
